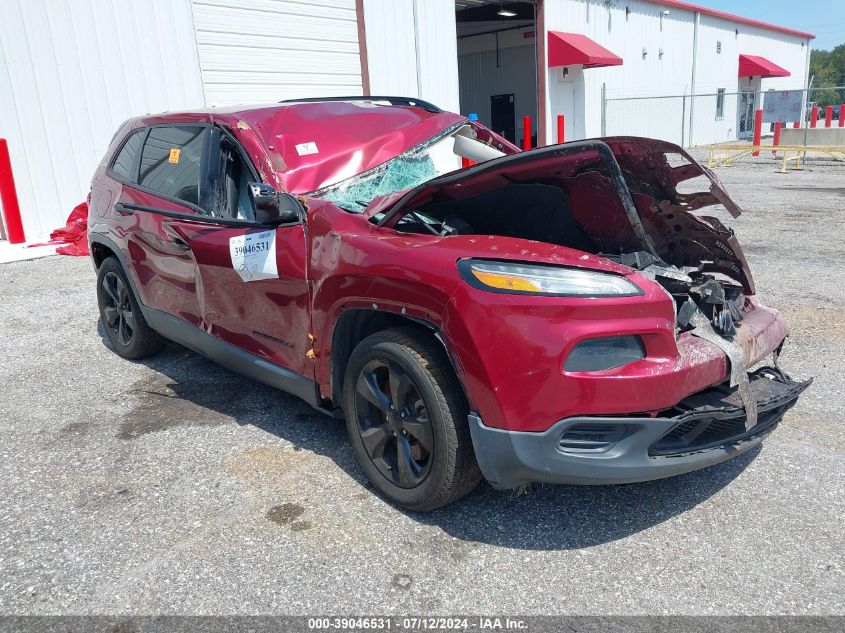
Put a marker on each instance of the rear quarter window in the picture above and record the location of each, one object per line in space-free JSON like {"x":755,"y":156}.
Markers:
{"x":124,"y":162}
{"x":170,"y":161}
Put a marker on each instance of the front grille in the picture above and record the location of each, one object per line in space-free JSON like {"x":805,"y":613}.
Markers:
{"x":715,"y":417}
{"x":701,"y":434}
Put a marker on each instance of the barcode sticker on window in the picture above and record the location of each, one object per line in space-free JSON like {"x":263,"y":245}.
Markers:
{"x":174,"y":155}
{"x":303,"y":149}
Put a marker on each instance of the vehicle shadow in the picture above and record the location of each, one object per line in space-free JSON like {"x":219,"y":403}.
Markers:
{"x":187,"y":389}
{"x":547,"y":517}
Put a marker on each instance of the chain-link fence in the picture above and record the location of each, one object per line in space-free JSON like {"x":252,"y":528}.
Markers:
{"x":716,"y":117}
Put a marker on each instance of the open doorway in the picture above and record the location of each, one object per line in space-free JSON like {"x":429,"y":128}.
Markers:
{"x":497,"y":64}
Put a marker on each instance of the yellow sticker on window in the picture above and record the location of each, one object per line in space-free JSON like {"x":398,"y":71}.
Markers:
{"x":174,"y":155}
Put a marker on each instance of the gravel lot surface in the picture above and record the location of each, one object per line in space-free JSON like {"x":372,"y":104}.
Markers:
{"x":174,"y":486}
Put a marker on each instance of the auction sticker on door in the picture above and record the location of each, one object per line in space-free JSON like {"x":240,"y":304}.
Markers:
{"x":254,"y":255}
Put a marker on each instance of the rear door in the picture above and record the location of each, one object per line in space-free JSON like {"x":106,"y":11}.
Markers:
{"x":158,"y":182}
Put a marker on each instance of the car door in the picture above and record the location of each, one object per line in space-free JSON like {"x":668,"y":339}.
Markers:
{"x":251,"y":281}
{"x":157,"y":182}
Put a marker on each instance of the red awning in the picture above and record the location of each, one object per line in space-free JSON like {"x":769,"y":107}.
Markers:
{"x":756,"y":66}
{"x":569,"y":49}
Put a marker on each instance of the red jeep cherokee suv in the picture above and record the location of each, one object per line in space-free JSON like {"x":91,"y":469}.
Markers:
{"x":559,"y":315}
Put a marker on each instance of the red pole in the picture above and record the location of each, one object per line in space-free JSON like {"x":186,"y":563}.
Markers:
{"x":9,"y":197}
{"x":814,"y":116}
{"x":842,"y":115}
{"x":797,"y":124}
{"x":828,"y":115}
{"x":526,"y":132}
{"x":758,"y":129}
{"x":561,"y":129}
{"x":776,"y":139}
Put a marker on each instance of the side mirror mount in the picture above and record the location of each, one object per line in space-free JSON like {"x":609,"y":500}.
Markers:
{"x":272,"y":207}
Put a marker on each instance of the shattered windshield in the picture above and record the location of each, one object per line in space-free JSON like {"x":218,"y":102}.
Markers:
{"x":414,"y":167}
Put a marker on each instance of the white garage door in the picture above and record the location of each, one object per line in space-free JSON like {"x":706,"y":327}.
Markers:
{"x":267,"y":50}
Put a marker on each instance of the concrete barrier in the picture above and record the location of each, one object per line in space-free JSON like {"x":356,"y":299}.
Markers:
{"x":828,"y":136}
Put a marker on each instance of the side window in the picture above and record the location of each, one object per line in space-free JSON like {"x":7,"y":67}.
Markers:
{"x":720,"y":104}
{"x":170,"y":161}
{"x":124,"y":163}
{"x":232,"y":199}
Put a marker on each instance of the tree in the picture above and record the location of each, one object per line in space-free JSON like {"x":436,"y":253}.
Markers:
{"x":828,"y":69}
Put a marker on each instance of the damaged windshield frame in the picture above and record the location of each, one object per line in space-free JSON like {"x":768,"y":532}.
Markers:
{"x":416,"y":152}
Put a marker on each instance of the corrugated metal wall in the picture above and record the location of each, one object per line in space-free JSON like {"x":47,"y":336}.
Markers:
{"x":391,"y":47}
{"x":437,"y":44}
{"x":412,"y":50}
{"x":268,"y":50}
{"x":71,"y":72}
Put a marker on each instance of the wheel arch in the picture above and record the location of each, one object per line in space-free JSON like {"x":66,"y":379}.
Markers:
{"x":101,"y":247}
{"x":356,"y":324}
{"x":100,"y":252}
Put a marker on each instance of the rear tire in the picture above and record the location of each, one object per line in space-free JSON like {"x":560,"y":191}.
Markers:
{"x":127,"y":330}
{"x":406,"y":415}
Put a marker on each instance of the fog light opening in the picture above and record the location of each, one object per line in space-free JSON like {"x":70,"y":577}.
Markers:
{"x":597,"y":354}
{"x":590,"y":438}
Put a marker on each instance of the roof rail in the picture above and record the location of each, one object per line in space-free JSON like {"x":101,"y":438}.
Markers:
{"x":411,"y":102}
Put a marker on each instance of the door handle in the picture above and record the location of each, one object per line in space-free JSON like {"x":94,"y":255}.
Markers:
{"x":123,"y":209}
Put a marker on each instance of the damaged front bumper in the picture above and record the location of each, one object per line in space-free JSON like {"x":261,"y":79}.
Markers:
{"x":706,"y":428}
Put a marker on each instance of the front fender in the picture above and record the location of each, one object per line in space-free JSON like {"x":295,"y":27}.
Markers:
{"x":339,"y":294}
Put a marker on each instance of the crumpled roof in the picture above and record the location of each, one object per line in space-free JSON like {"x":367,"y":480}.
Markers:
{"x":314,"y":144}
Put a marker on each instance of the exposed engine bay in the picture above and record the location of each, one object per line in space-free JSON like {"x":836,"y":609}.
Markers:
{"x":578,"y":201}
{"x":692,"y":290}
{"x":617,"y":198}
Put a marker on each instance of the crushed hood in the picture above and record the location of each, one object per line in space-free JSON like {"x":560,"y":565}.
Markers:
{"x":627,"y":194}
{"x":650,"y":160}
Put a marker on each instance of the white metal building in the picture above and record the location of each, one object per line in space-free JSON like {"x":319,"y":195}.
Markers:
{"x":72,"y":70}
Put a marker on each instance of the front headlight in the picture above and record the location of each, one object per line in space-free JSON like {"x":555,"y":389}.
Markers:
{"x":539,"y":279}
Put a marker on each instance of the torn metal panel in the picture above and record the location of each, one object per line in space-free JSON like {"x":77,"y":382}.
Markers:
{"x":646,"y":163}
{"x":684,"y":239}
{"x":702,"y":328}
{"x":762,"y":331}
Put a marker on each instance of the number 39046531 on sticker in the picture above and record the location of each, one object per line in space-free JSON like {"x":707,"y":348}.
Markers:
{"x":254,"y":255}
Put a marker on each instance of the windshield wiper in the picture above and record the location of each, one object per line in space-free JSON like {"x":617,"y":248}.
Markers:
{"x":420,"y":219}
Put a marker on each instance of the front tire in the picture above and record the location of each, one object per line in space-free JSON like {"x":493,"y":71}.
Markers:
{"x":406,"y":416}
{"x":127,"y":330}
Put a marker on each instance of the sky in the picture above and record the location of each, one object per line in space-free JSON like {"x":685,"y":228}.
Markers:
{"x":824,"y":18}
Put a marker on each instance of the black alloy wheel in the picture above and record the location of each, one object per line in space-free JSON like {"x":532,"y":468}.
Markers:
{"x":117,"y":309}
{"x":393,"y":423}
{"x":121,"y":315}
{"x":406,"y":414}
